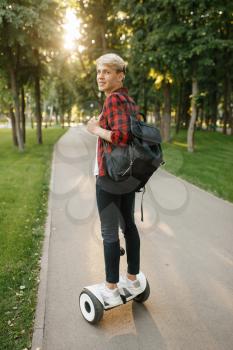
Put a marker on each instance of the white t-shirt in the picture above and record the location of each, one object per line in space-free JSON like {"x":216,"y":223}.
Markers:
{"x":96,"y":168}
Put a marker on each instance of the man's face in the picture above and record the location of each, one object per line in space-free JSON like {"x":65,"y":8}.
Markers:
{"x":108,"y":78}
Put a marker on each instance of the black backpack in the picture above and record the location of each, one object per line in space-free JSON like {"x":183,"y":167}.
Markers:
{"x":139,"y":159}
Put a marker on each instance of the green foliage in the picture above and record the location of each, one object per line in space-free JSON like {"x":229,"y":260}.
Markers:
{"x":174,"y":38}
{"x":178,"y":39}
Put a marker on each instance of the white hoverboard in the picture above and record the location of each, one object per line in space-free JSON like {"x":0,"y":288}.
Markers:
{"x":92,"y":305}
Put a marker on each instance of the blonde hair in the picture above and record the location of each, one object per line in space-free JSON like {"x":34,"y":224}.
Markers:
{"x":112,"y":60}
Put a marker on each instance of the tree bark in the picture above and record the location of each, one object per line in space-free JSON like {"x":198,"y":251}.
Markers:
{"x":145,"y":101}
{"x":191,"y":128}
{"x":230,"y":108}
{"x":226,"y":102}
{"x":38,"y":108}
{"x":157,"y":113}
{"x":185,"y":117}
{"x":103,"y":39}
{"x":179,"y":108}
{"x":12,"y":117}
{"x":69,"y":117}
{"x":231,"y":124}
{"x":29,"y":111}
{"x":32,"y":122}
{"x":201,"y":117}
{"x":56,"y":117}
{"x":62,"y":107}
{"x":15,"y":94}
{"x":214,"y":109}
{"x":166,"y":118}
{"x":50,"y":115}
{"x":22,"y":115}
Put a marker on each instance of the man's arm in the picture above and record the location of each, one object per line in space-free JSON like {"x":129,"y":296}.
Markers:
{"x":118,"y":119}
{"x":104,"y":134}
{"x":94,"y":128}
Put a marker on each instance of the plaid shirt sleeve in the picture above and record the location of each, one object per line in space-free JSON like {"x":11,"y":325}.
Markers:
{"x":118,"y":119}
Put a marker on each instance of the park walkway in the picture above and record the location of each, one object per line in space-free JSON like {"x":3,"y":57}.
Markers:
{"x":186,"y":254}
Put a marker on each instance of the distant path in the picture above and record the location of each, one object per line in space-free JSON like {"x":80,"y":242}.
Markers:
{"x":186,"y":253}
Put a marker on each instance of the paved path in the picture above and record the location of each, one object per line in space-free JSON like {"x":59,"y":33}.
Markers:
{"x":186,"y":253}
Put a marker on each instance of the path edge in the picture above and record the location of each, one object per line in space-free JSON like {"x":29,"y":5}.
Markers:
{"x":39,"y":321}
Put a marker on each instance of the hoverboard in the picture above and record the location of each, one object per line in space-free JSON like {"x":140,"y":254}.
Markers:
{"x":92,"y":305}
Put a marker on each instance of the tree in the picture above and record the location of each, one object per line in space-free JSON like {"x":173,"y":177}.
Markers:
{"x":179,"y":41}
{"x":28,"y":30}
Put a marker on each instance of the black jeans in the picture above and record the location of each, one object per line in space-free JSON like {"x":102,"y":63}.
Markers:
{"x":118,"y":210}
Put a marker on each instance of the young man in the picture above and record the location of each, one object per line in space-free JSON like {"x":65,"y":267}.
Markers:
{"x":115,"y":207}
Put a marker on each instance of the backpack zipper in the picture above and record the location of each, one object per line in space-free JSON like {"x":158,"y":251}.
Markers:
{"x":130,"y":165}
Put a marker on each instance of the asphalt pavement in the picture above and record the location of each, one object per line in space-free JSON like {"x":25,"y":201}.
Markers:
{"x":186,"y":254}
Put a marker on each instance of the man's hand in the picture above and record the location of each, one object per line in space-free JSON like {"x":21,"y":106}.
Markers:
{"x":93,"y":125}
{"x":94,"y":128}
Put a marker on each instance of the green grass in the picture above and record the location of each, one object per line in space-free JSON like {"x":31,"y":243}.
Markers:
{"x":210,"y":166}
{"x":24,"y":181}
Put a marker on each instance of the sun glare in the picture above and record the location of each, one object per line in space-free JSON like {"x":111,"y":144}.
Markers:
{"x":71,"y":29}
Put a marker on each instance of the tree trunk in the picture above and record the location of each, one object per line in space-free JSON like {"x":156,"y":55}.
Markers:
{"x":50,"y":115}
{"x":179,"y":108}
{"x":225,"y":104}
{"x":29,"y":110}
{"x":185,"y":117}
{"x":166,"y":118}
{"x":231,"y":124}
{"x":13,"y":126}
{"x":230,"y":109}
{"x":103,"y":39}
{"x":145,"y":101}
{"x":157,"y":113}
{"x":214,"y":109}
{"x":15,"y":94}
{"x":207,"y":114}
{"x":69,"y":117}
{"x":62,"y":121}
{"x":201,"y":117}
{"x":22,"y":114}
{"x":230,"y":105}
{"x":191,"y":129}
{"x":38,"y":108}
{"x":62,"y":110}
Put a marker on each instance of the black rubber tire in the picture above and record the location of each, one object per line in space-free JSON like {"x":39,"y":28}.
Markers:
{"x":97,"y":307}
{"x":140,"y":298}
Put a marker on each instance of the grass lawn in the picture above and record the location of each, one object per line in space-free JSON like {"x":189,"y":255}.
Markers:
{"x":24,"y":181}
{"x":210,"y":166}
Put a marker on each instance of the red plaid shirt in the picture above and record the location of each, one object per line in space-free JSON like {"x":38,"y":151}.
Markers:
{"x":115,"y":116}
